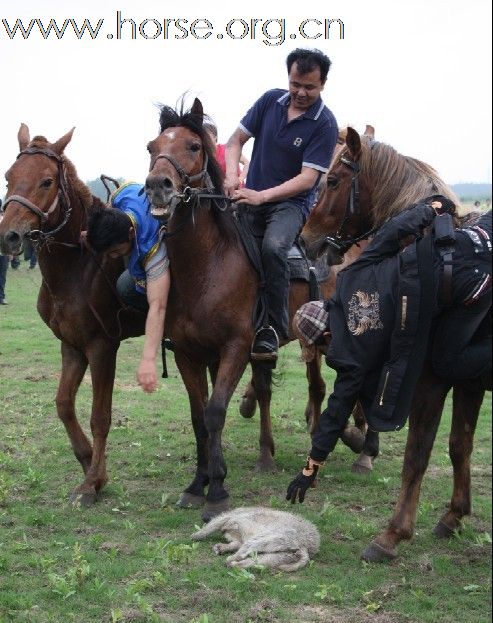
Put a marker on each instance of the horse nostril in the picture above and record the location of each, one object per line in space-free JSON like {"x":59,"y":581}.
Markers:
{"x":167,"y":183}
{"x":12,"y":237}
{"x":158,"y":182}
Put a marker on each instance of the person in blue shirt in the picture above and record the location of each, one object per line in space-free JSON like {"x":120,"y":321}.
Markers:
{"x":295,"y":135}
{"x":126,"y":229}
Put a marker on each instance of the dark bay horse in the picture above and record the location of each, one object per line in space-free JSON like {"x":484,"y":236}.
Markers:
{"x":212,"y":298}
{"x":367,"y":184}
{"x":47,"y":203}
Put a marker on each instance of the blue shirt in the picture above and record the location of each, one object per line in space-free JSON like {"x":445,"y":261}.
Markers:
{"x":282,"y":148}
{"x":146,"y":241}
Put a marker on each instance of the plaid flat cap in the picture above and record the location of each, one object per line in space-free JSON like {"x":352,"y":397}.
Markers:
{"x":311,"y":320}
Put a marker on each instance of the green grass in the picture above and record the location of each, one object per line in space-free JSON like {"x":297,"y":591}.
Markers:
{"x":129,"y":558}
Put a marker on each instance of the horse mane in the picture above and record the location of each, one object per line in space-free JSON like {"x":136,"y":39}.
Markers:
{"x":400,"y":180}
{"x":88,"y":201}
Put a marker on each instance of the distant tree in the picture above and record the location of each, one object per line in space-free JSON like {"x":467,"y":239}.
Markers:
{"x":97,"y":187}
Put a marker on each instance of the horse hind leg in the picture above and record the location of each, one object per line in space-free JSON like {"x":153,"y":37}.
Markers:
{"x":102,"y":362}
{"x":466,"y":405}
{"x":426,"y":411}
{"x":364,"y":463}
{"x":248,"y":404}
{"x":263,"y":384}
{"x":74,"y":365}
{"x":316,"y":392}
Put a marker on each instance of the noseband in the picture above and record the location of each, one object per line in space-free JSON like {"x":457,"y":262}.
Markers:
{"x":340,"y":242}
{"x":185,"y":178}
{"x":37,"y":235}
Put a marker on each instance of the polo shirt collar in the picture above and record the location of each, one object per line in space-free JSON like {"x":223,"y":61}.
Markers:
{"x":313,"y":112}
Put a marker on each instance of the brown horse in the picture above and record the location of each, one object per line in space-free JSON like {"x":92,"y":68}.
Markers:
{"x":48,"y":204}
{"x":212,"y":299}
{"x":370,"y":182}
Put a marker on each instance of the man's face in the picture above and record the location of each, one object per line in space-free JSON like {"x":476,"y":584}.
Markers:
{"x":119,"y":250}
{"x":304,"y":89}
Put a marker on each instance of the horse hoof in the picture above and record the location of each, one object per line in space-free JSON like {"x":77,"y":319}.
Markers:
{"x":83,"y":499}
{"x":266,"y":466}
{"x":213,"y":509}
{"x":442,"y":531}
{"x":363,"y":465}
{"x":189,"y":500}
{"x":376,"y":553}
{"x":353,"y":438}
{"x":248,"y":406}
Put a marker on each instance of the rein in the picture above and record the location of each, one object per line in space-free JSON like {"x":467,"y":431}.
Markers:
{"x":39,"y":236}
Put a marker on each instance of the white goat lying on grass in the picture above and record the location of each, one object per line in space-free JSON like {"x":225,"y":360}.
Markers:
{"x":263,"y":536}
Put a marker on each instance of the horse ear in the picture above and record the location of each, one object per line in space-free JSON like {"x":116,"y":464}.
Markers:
{"x":353,"y":142}
{"x":197,"y":109}
{"x":23,"y":136}
{"x":370,"y":131}
{"x":60,"y":145}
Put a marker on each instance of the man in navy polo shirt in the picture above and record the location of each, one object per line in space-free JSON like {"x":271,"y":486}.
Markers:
{"x":295,"y":135}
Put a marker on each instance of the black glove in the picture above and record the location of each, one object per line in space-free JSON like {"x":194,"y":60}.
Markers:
{"x":302,"y":481}
{"x":440,"y":204}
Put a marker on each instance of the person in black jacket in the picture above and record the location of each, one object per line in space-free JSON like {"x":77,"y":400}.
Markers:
{"x":381,"y":315}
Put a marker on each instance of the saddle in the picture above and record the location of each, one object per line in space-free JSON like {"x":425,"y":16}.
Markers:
{"x":300,"y":267}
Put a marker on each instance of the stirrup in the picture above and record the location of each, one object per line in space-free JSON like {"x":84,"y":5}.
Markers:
{"x":269,"y":355}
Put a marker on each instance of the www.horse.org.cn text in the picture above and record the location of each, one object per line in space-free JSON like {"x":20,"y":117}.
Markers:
{"x":271,"y":32}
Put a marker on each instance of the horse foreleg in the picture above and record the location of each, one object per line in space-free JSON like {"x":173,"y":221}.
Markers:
{"x":195,"y":379}
{"x":263,"y":384}
{"x":426,"y":411}
{"x":102,"y":362}
{"x":74,"y":365}
{"x":248,"y":404}
{"x":465,"y":413}
{"x":233,"y":360}
{"x":316,"y":392}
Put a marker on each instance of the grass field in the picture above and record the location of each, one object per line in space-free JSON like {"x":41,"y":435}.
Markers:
{"x":129,"y":558}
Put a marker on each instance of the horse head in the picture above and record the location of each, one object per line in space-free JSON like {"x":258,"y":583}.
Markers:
{"x":342,"y":212}
{"x":36,"y":191}
{"x":182,"y":159}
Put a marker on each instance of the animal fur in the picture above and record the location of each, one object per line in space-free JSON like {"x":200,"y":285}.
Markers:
{"x":263,"y":536}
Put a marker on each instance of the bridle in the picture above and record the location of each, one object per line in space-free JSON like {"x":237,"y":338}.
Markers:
{"x":39,"y":236}
{"x":341,"y":242}
{"x":190,"y":194}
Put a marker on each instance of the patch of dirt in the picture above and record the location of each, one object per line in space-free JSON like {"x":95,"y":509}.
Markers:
{"x":119,"y":547}
{"x":321,"y":614}
{"x":263,"y":611}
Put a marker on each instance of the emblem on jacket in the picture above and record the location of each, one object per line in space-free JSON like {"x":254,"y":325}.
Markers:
{"x":297,"y":141}
{"x":364,"y":313}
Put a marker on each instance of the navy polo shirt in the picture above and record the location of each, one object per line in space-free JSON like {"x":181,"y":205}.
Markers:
{"x":281,"y":149}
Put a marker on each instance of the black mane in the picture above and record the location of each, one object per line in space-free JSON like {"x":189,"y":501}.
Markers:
{"x":171,"y":118}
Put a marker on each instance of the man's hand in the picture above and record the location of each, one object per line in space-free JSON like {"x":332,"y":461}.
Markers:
{"x":441,"y":204}
{"x":247,"y":195}
{"x":298,"y":487}
{"x":146,"y":375}
{"x":231,"y":184}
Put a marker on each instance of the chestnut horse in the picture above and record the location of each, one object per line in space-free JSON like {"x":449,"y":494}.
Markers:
{"x":213,"y":298}
{"x":367,"y":184}
{"x":47,"y":204}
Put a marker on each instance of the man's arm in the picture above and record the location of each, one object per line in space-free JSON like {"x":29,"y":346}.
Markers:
{"x":234,"y":148}
{"x":157,"y":297}
{"x":296,"y":185}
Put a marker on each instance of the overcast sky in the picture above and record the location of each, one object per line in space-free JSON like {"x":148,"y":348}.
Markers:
{"x":418,"y":70}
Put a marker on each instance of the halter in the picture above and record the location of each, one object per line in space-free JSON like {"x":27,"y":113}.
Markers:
{"x":340,"y":242}
{"x":37,"y":235}
{"x":185,"y":178}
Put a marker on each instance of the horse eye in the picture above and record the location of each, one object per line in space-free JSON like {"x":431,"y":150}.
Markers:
{"x":332,"y":182}
{"x":195,"y":147}
{"x":46,"y":183}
